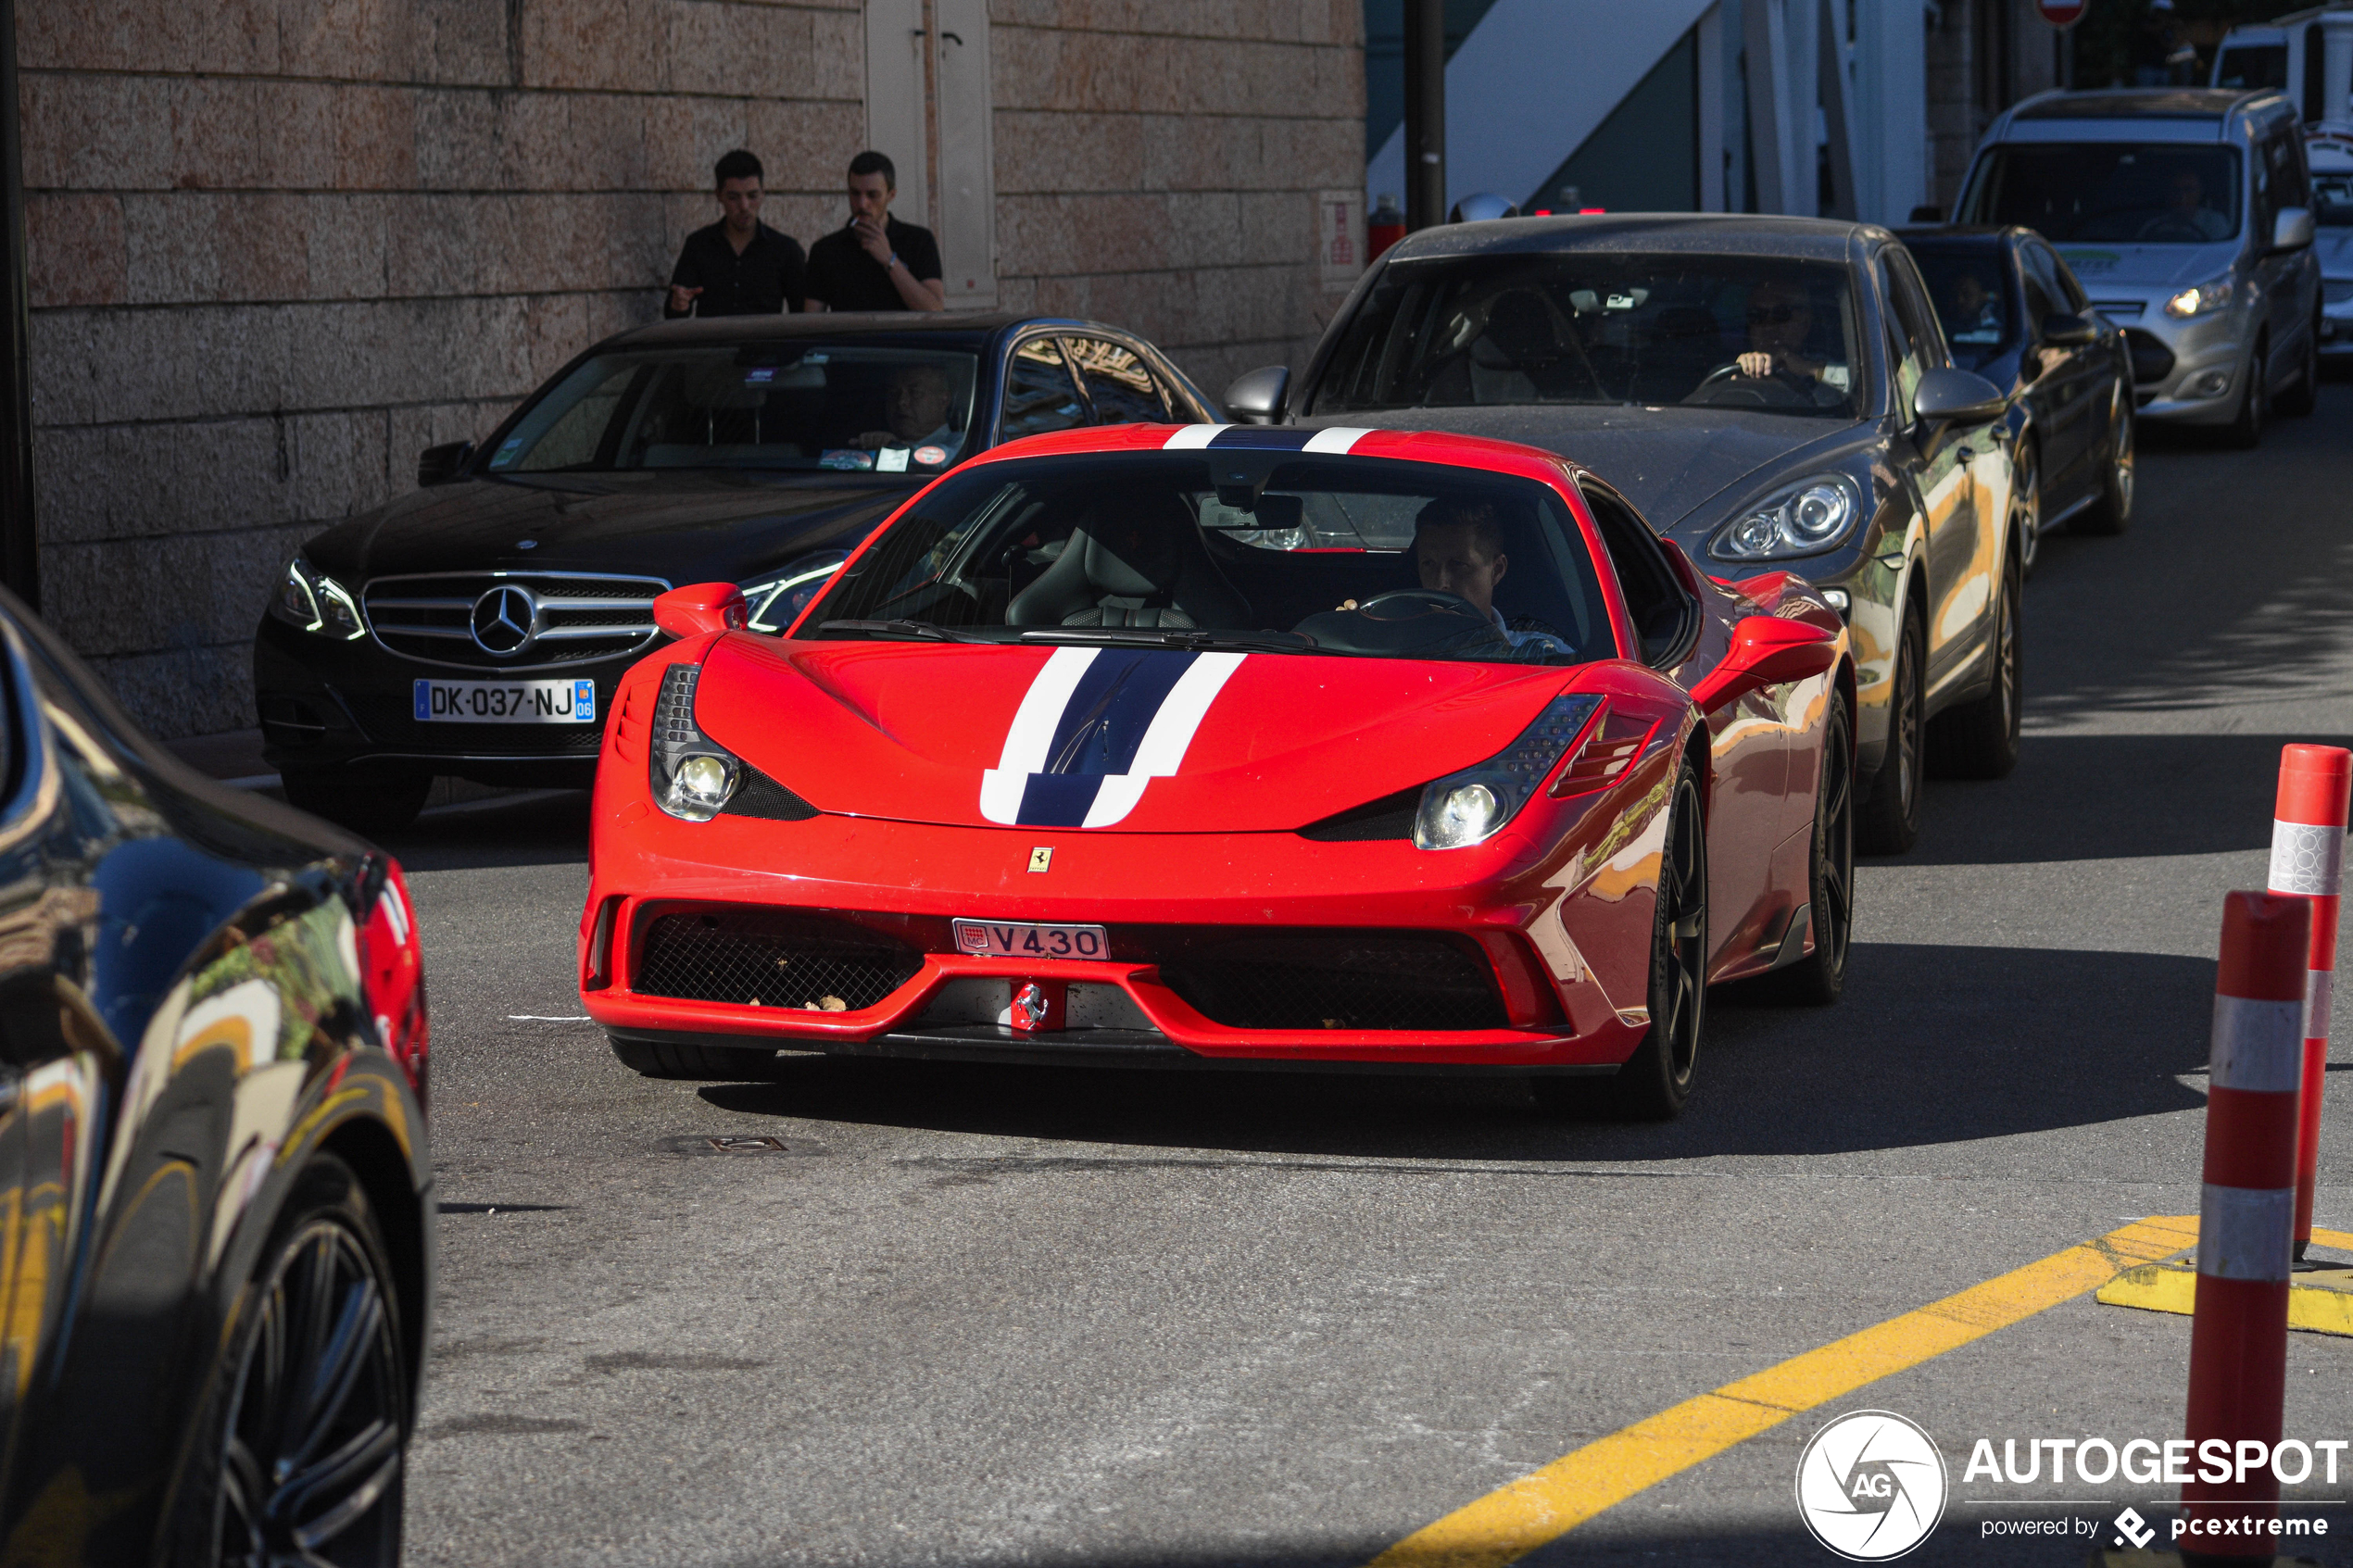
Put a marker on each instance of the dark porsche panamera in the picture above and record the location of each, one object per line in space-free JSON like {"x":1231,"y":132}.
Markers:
{"x":477,"y":627}
{"x":216,"y":1217}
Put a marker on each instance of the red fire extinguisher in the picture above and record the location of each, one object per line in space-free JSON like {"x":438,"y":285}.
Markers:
{"x":1384,"y":227}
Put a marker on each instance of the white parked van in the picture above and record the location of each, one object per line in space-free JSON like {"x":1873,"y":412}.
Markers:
{"x":2188,"y":215}
{"x":2308,"y":56}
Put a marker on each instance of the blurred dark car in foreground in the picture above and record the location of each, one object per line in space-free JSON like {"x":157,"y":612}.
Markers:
{"x":216,"y":1243}
{"x":477,"y":627}
{"x":1773,"y":394}
{"x":2016,"y":315}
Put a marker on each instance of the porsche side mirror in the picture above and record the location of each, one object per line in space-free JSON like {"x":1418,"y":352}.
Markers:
{"x":1255,"y":398}
{"x":2292,"y":230}
{"x":1766,"y":651}
{"x":439,"y":465}
{"x":2061,"y":330}
{"x":1964,"y":396}
{"x":701,"y":607}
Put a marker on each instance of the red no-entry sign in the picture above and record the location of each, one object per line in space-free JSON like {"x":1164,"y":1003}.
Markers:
{"x":2061,"y":13}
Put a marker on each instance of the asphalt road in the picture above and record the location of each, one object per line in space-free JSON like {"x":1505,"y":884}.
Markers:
{"x":1010,"y":1315}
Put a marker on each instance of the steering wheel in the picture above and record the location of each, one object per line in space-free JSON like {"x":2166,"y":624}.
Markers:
{"x":1423,"y":600}
{"x":1752,"y":391}
{"x":2171,"y":228}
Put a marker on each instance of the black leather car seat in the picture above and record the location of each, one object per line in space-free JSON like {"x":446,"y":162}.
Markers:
{"x":1144,"y":567}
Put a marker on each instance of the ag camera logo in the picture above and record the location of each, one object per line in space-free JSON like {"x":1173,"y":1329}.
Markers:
{"x":1871,"y":1485}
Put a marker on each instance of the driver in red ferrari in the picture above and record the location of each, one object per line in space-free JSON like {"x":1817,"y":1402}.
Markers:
{"x":1458,"y":550}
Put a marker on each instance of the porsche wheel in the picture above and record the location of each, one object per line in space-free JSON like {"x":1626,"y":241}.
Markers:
{"x":1979,"y":740}
{"x":300,"y":1455}
{"x":2026,"y":508}
{"x":2109,"y":514}
{"x":1656,"y":1079}
{"x":1890,"y":820}
{"x":1816,"y":978}
{"x":703,"y":1064}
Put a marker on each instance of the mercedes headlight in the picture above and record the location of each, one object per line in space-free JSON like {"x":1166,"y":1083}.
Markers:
{"x":692,"y":775}
{"x":317,"y":603}
{"x":777,"y":601}
{"x":2203,"y":300}
{"x":1471,"y":807}
{"x":1800,"y":520}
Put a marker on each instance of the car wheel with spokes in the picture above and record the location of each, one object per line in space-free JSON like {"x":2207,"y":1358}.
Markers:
{"x":300,"y":1460}
{"x":1889,"y":819}
{"x":1657,"y":1080}
{"x":2109,"y":514}
{"x":2026,"y":507}
{"x":1816,"y":978}
{"x":1979,"y":740}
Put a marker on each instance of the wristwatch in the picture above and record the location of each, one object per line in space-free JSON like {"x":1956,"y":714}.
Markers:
{"x":894,"y":261}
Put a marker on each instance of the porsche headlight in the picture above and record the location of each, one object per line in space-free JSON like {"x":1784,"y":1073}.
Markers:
{"x":2203,"y":300}
{"x":317,"y":603}
{"x":778,"y":600}
{"x":1471,"y":807}
{"x":1800,"y":520}
{"x":692,"y":775}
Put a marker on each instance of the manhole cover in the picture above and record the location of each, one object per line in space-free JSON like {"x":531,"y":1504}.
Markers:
{"x":749,"y":1146}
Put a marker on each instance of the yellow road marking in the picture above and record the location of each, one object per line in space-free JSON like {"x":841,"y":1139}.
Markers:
{"x":1513,"y":1520}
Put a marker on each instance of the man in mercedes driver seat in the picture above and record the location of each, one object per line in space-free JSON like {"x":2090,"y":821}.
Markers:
{"x":1458,"y":550}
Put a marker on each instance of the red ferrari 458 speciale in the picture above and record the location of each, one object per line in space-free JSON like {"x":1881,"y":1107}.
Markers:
{"x":1226,"y":746}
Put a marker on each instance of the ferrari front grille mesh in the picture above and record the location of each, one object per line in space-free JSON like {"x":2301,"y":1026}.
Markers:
{"x":756,"y":959}
{"x":1338,"y":980}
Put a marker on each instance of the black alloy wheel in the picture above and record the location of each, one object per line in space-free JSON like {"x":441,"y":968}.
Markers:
{"x":1979,"y":740}
{"x":1816,"y":978}
{"x":1657,"y":1080}
{"x":2304,"y":395}
{"x":373,"y":801}
{"x":309,"y":1414}
{"x":2245,"y":433}
{"x":2026,"y":506}
{"x":2113,"y":510}
{"x":1890,"y":820}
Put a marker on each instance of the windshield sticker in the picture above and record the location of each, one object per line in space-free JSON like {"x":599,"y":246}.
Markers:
{"x":507,"y":450}
{"x":842,"y":458}
{"x":1838,"y":376}
{"x":892,"y":460}
{"x":931,"y":457}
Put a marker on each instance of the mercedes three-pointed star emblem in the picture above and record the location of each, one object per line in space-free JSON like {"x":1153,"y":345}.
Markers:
{"x":505,"y":619}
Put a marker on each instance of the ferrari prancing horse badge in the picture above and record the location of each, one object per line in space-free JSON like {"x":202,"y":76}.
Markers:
{"x":1042,"y":858}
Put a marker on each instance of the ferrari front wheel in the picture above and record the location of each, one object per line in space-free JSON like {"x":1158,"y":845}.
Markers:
{"x":1654,"y":1081}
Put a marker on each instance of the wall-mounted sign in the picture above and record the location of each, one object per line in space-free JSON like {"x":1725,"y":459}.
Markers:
{"x":1340,"y":236}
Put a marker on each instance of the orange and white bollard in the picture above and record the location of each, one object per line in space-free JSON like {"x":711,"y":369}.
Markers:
{"x":2238,"y":1337}
{"x":2307,"y":860}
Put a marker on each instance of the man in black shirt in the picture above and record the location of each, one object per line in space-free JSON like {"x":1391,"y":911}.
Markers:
{"x":738,"y":266}
{"x":875,"y":262}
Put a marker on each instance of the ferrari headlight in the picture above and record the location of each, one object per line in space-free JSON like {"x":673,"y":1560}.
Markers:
{"x":1471,"y":807}
{"x":1798,"y":520}
{"x":317,"y":603}
{"x":2203,"y":300}
{"x":692,"y":775}
{"x":778,"y":600}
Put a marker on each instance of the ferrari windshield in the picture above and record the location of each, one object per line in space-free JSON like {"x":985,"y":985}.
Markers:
{"x":799,"y":405}
{"x":1245,"y":547}
{"x":1472,"y":331}
{"x":2118,"y":191}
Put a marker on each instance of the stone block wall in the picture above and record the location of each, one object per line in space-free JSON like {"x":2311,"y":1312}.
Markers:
{"x":278,"y":246}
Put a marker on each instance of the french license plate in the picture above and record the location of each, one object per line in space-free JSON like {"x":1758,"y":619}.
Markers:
{"x":506,"y":702}
{"x":1006,"y":939}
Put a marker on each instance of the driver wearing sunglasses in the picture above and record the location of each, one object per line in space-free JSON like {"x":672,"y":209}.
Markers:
{"x":1780,"y":320}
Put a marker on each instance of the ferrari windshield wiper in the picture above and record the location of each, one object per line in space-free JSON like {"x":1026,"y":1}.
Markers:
{"x":1174,"y":637}
{"x":921,"y":631}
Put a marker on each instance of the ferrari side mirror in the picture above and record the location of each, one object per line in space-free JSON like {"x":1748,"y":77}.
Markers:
{"x":701,"y":607}
{"x":1766,"y":651}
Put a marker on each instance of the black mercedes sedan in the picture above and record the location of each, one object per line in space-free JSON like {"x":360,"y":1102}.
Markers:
{"x":215,"y":1215}
{"x":476,"y":627}
{"x":1773,"y":394}
{"x":2015,"y":314}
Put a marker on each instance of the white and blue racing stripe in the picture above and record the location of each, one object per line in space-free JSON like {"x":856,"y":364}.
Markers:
{"x":1336,"y":441}
{"x":1095,"y":725}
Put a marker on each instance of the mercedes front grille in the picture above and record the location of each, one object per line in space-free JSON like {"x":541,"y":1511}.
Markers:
{"x":512,"y":619}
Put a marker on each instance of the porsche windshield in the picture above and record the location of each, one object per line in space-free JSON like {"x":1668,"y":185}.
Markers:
{"x":1738,"y":332}
{"x":855,"y":406}
{"x":1243,"y":548}
{"x":2155,"y":194}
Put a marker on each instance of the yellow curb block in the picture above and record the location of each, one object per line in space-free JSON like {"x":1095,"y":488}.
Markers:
{"x":2320,"y":1299}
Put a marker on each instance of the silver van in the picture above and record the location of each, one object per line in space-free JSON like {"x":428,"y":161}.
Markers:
{"x":2188,"y":215}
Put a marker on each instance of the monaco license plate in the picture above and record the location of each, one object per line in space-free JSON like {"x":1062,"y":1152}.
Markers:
{"x":506,"y":702}
{"x":1011,"y":939}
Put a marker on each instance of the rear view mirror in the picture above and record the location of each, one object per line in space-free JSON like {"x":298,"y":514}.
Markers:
{"x":1766,"y":651}
{"x":1963,"y":395}
{"x":699,"y":607}
{"x":1255,"y":398}
{"x":439,"y":465}
{"x":2061,"y":330}
{"x":2292,"y":230}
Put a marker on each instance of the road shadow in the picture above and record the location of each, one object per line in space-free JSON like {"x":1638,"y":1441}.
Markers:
{"x":527,"y":828}
{"x":1932,"y":1045}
